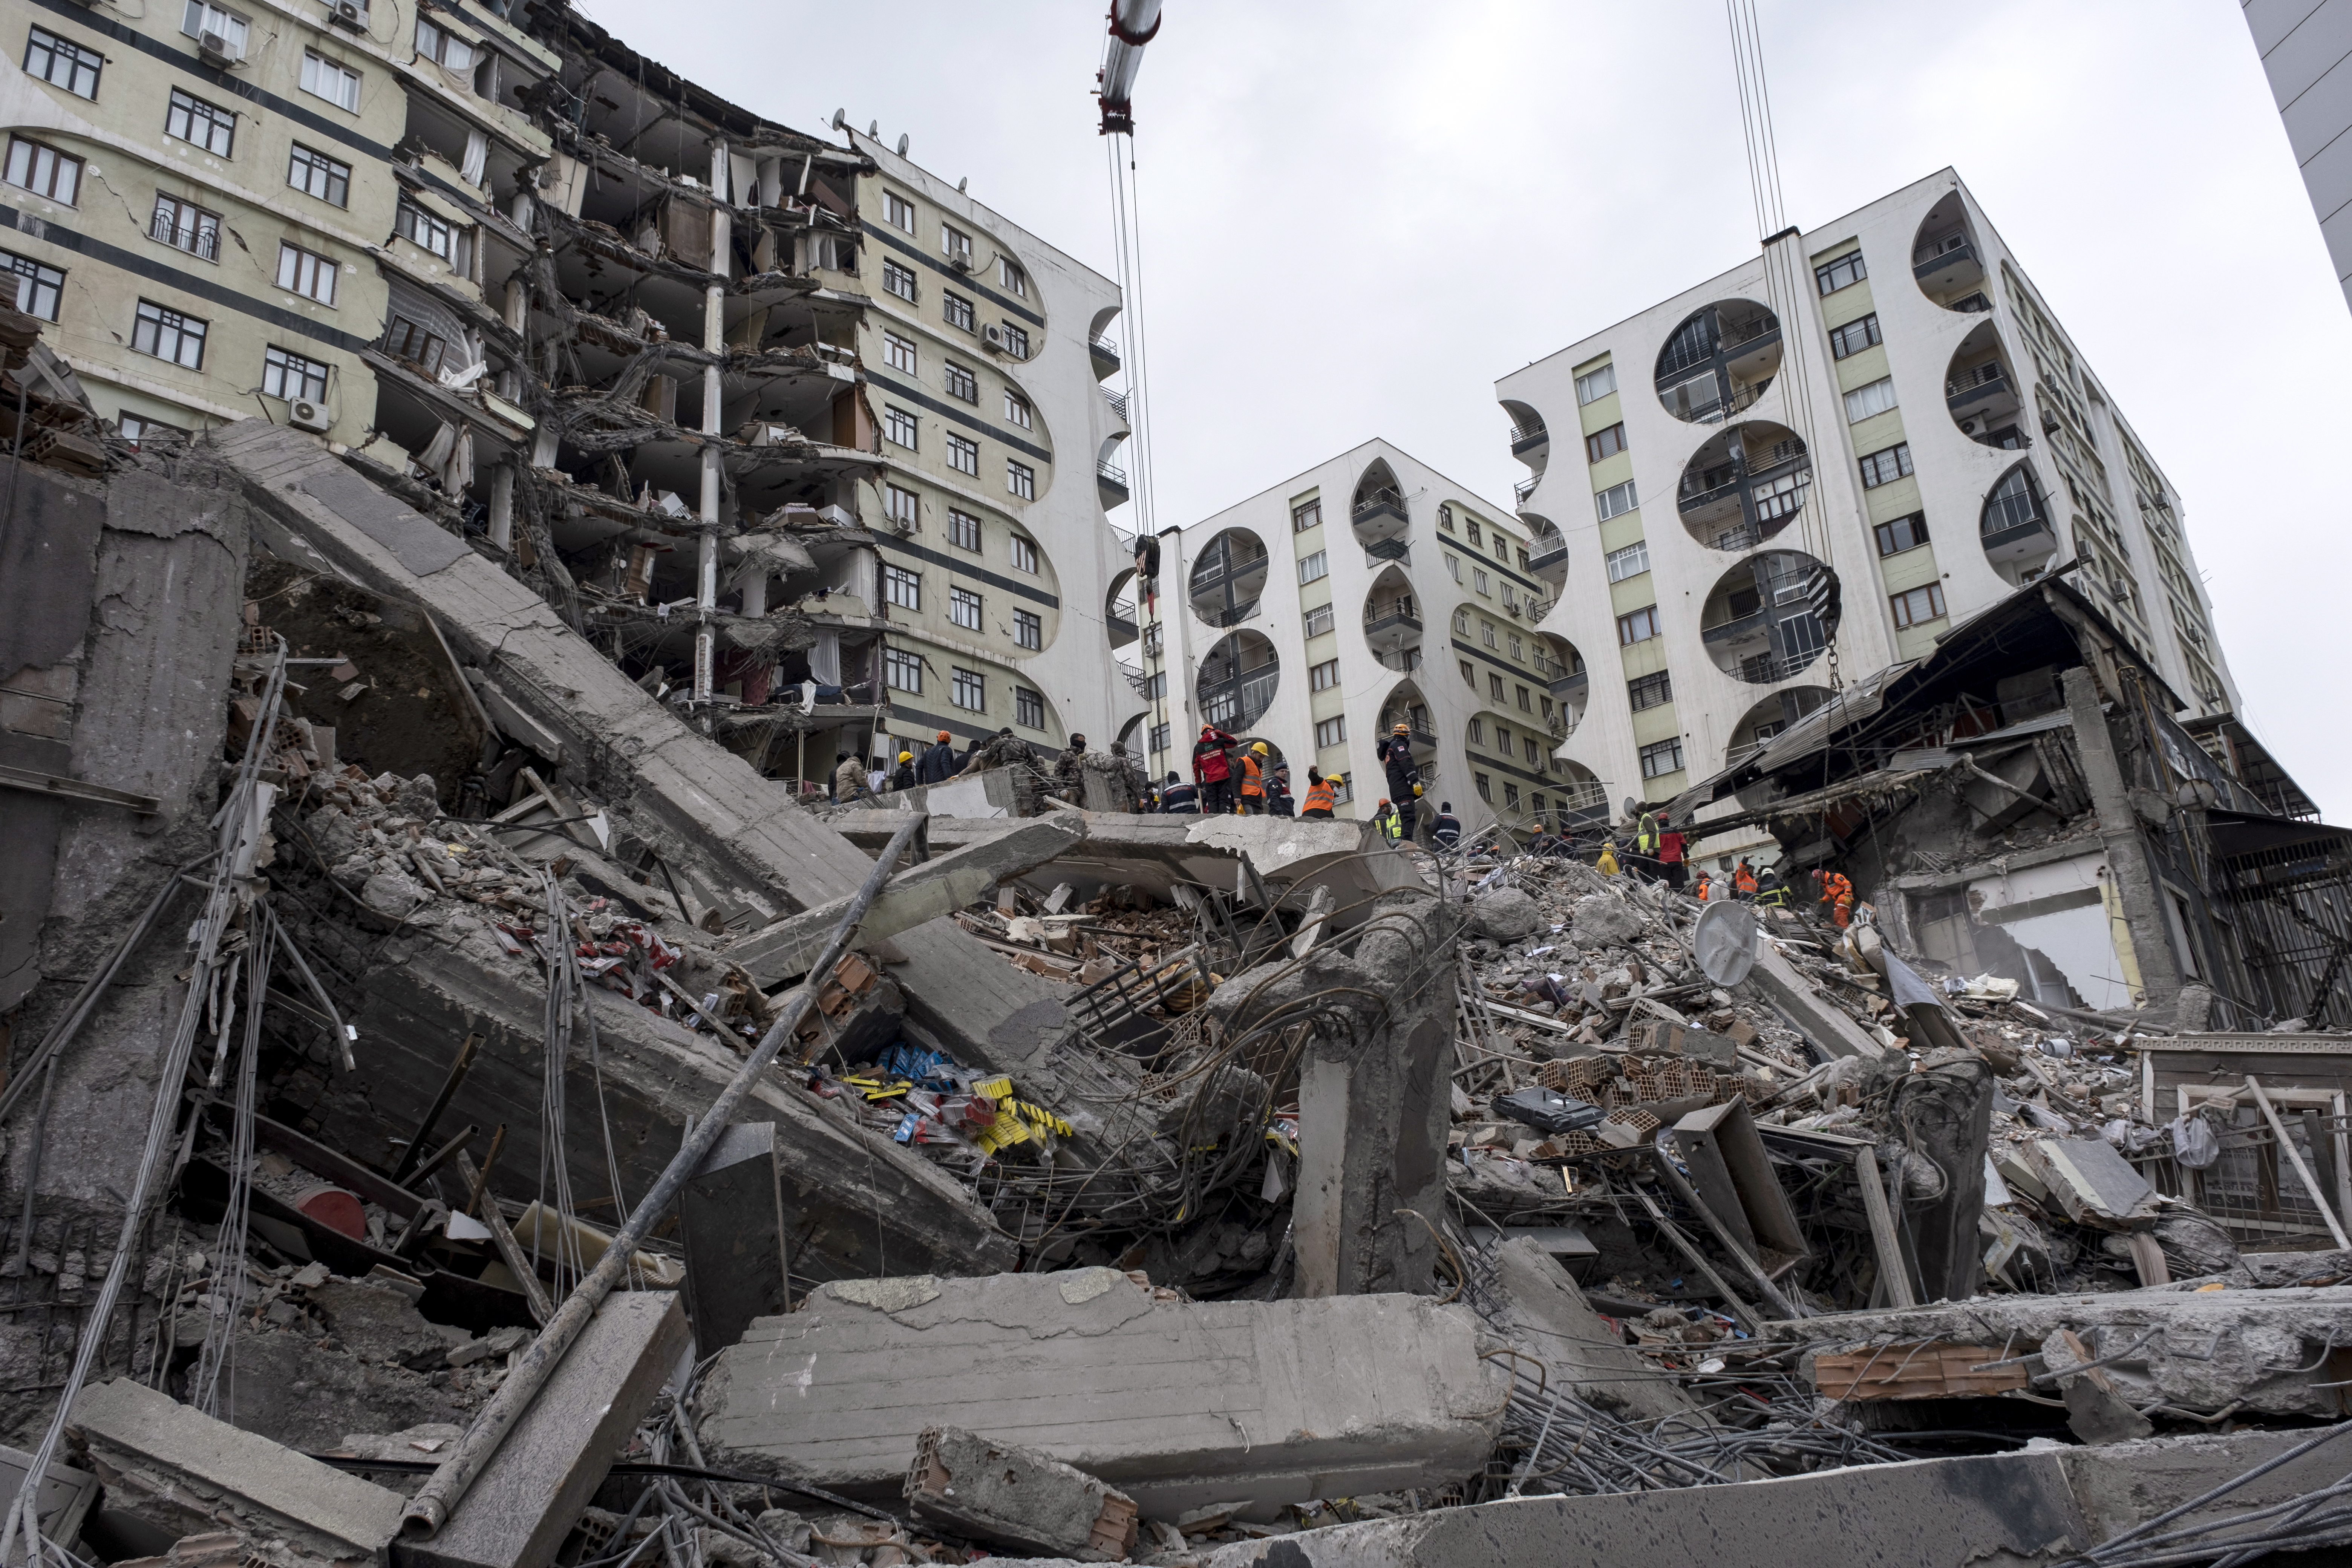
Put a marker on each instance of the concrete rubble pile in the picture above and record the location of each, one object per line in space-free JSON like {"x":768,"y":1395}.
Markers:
{"x":459,"y":1113}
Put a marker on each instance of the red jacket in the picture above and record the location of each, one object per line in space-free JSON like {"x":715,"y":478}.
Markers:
{"x":1210,"y":763}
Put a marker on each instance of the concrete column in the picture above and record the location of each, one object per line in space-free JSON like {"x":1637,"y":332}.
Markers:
{"x":714,"y":340}
{"x":502,"y":483}
{"x":2134,"y":873}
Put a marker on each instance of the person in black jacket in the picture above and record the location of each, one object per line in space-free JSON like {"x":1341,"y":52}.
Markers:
{"x":1395,"y":755}
{"x":938,"y":764}
{"x":1179,"y":798}
{"x":903,"y":775}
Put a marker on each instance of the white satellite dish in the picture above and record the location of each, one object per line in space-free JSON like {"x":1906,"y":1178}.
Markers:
{"x":1724,"y":941}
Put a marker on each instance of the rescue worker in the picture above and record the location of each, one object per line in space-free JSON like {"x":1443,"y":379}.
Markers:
{"x":1178,"y":798}
{"x":848,"y":779}
{"x":1838,"y":893}
{"x":1253,"y":801}
{"x":1771,"y":893}
{"x":1385,"y":819}
{"x":1070,"y":772}
{"x":1395,"y":756}
{"x":1743,"y":881}
{"x":938,"y":764}
{"x":1278,"y":801}
{"x":1704,"y":888}
{"x":1670,"y":858}
{"x":1213,"y":771}
{"x":1645,"y":846}
{"x":1128,"y":779}
{"x":1005,"y":750}
{"x":1321,"y":792}
{"x":1447,"y":832}
{"x":904,"y":778}
{"x":1607,"y":862}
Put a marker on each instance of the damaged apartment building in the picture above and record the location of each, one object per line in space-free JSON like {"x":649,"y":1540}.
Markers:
{"x":805,"y":437}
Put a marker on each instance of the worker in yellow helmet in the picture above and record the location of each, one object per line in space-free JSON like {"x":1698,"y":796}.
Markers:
{"x":1252,"y":800}
{"x":1607,"y":864}
{"x":903,"y":776}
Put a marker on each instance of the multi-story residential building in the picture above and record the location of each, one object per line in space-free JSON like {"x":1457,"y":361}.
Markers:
{"x":2307,"y":51}
{"x":1883,"y":403}
{"x":1368,"y":591}
{"x":752,"y":407}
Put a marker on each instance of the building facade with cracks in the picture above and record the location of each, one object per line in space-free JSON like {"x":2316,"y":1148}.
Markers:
{"x":689,"y":372}
{"x":1886,"y":403}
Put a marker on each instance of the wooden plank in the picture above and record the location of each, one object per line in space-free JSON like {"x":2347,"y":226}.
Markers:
{"x":1913,"y":1370}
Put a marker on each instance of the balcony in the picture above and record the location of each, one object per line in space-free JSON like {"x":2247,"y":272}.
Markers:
{"x":1380,"y":512}
{"x":1557,"y":723}
{"x":1705,"y":488}
{"x":1384,"y":550}
{"x":1390,"y":627}
{"x":1524,"y":489}
{"x":1739,"y":629}
{"x":1122,"y":631}
{"x":1549,"y":556}
{"x":1241,"y":703}
{"x":1571,"y":686}
{"x":1975,"y":385}
{"x":1118,"y":401}
{"x":2023,"y":539}
{"x":1106,"y":356}
{"x":1111,"y":483}
{"x":1956,"y":266}
{"x":1404,"y":661}
{"x":1526,"y":440}
{"x":1764,"y":668}
{"x":201,"y":238}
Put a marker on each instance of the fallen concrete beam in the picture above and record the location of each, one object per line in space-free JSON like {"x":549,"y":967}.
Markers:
{"x":1011,"y":1496}
{"x":530,"y":1495}
{"x":1177,"y":1404}
{"x":939,"y":886}
{"x":2032,"y":1507}
{"x":1548,"y":1317}
{"x":176,"y":1468}
{"x":1811,"y":1014}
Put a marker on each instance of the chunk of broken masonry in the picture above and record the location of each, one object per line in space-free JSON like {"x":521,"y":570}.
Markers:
{"x":1179,"y":1403}
{"x":1012,"y":1496}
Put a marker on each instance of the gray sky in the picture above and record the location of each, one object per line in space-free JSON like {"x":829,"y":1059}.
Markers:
{"x":1357,"y":215}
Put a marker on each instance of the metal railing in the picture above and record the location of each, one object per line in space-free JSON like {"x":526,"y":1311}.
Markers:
{"x":1525,"y":437}
{"x":1950,"y":256}
{"x":1106,"y":469}
{"x":1385,"y":549}
{"x":196,"y":240}
{"x":1968,"y":381}
{"x":1526,"y":488}
{"x":1118,"y":401}
{"x":1103,"y":348}
{"x":1404,"y":661}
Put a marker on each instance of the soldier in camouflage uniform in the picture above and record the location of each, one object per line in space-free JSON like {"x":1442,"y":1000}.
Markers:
{"x":1128,"y":778}
{"x":1070,"y":772}
{"x":1002,"y":749}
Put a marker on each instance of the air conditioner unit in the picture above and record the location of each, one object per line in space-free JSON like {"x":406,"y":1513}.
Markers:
{"x":837,"y":515}
{"x":959,"y":261}
{"x":994,"y":338}
{"x":348,"y":14}
{"x":1972,"y":426}
{"x":214,"y":49}
{"x":305,"y":415}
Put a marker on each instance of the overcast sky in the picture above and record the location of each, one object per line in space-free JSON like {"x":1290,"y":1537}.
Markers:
{"x":1358,"y":215}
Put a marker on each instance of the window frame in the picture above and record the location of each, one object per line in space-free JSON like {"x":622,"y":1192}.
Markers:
{"x":410,"y":217}
{"x":1915,"y":523}
{"x":202,"y":231}
{"x":957,"y":310}
{"x":1589,"y":390}
{"x":1017,"y":339}
{"x":1654,"y":689}
{"x":902,"y":587}
{"x":179,"y":324}
{"x":899,"y":354}
{"x":1012,"y":277}
{"x":963,"y":453}
{"x":1332,"y":731}
{"x":961,"y":382}
{"x":1632,"y":624}
{"x":1637,"y":551}
{"x":1314,"y":567}
{"x":60,"y":162}
{"x":448,"y":41}
{"x":283,"y":366}
{"x":1658,"y":749}
{"x":1904,"y":610}
{"x":898,"y":212}
{"x":1020,"y":478}
{"x":898,"y":661}
{"x":1842,"y":344}
{"x":77,"y":56}
{"x":323,"y":271}
{"x":1306,"y":515}
{"x":394,"y":343}
{"x":315,"y":74}
{"x":1323,"y":677}
{"x":1827,"y":274}
{"x":954,"y":241}
{"x":1616,"y":500}
{"x":1023,"y":552}
{"x":1603,"y":445}
{"x":1871,"y":463}
{"x":965,"y":682}
{"x":895,"y":273}
{"x":901,"y":504}
{"x":330,"y":170}
{"x":1018,"y":412}
{"x":898,"y":422}
{"x":964,"y":530}
{"x":964,"y":602}
{"x":1028,"y":708}
{"x":1868,"y":394}
{"x":1028,"y":629}
{"x":33,"y":275}
{"x":233,"y":29}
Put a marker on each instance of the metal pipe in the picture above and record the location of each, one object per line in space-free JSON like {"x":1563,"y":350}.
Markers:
{"x":449,"y":1085}
{"x":429,"y":1509}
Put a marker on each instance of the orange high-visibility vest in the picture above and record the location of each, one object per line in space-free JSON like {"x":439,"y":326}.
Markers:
{"x":1743,"y":881}
{"x":1319,"y":794}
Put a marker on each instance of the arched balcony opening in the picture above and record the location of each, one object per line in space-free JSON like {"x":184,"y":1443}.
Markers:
{"x":1530,"y":442}
{"x":1392,"y":620}
{"x":1229,"y":578}
{"x":1237,"y":681}
{"x":1566,"y":683}
{"x":1119,"y":623}
{"x":1768,"y":717}
{"x":1378,"y":515}
{"x":1759,"y":624}
{"x":1945,"y":260}
{"x":1547,"y":553}
{"x":2015,"y":530}
{"x":1745,"y":485}
{"x":1982,"y":391}
{"x":1720,"y":360}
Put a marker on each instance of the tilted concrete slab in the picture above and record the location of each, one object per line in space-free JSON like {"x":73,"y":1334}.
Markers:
{"x":179,"y":1469}
{"x":1177,"y":1403}
{"x":1548,"y":1317}
{"x":1810,"y":1013}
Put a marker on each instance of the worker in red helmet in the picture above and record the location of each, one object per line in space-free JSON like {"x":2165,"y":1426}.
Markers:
{"x":1213,"y":771}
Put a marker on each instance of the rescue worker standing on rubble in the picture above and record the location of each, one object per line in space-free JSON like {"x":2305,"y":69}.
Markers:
{"x":938,"y":764}
{"x":1320,"y":792}
{"x":1743,"y":881}
{"x":904,"y":777}
{"x":1128,"y":779}
{"x":1447,"y":832}
{"x":1771,"y":893}
{"x":1005,"y":750}
{"x":1387,"y":821}
{"x":1278,"y":801}
{"x":1644,"y":861}
{"x":1178,"y":798}
{"x":1704,"y":888}
{"x":848,"y":780}
{"x":1213,"y":771}
{"x":1070,"y":772}
{"x":1838,"y":893}
{"x":1395,"y":755}
{"x":1253,"y":801}
{"x":1670,"y":858}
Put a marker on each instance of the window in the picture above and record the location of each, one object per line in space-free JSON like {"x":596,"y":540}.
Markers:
{"x":1650,"y":690}
{"x":1486,"y":787}
{"x":963,"y":384}
{"x":1885,"y":465}
{"x":1156,"y":687}
{"x":1918,"y":605}
{"x":1445,"y":518}
{"x":964,"y":607}
{"x":1016,"y":410}
{"x":315,"y":174}
{"x":138,"y":429}
{"x":1303,"y":518}
{"x":1523,"y":562}
{"x":306,"y":272}
{"x":1518,"y":649}
{"x":1503,"y":739}
{"x":1478,"y":583}
{"x":963,"y":453}
{"x":1028,"y":708}
{"x":963,"y":530}
{"x":1332,"y":731}
{"x":183,"y":226}
{"x":955,"y":243}
{"x":405,"y":340}
{"x":1315,"y":567}
{"x":1453,"y":564}
{"x":898,"y":212}
{"x":38,"y":286}
{"x":898,"y":424}
{"x":1462,"y":622}
{"x":1478,"y":731}
{"x":1596,"y":384}
{"x":1160,"y":737}
{"x":1510,"y":796}
{"x":1630,"y":561}
{"x":955,"y":308}
{"x":322,"y":77}
{"x":168,"y":336}
{"x":1854,"y":336}
{"x":1017,"y":339}
{"x":1605,"y":443}
{"x":1021,"y":479}
{"x":1015,"y":281}
{"x":202,"y":18}
{"x":430,"y":231}
{"x":1477,"y":539}
{"x":1469,"y":676}
{"x":63,"y":63}
{"x":1025,"y":554}
{"x":1495,"y":687}
{"x":1664,"y":757}
{"x":904,"y":589}
{"x":1832,"y":276}
{"x":1323,"y":677}
{"x":901,"y":505}
{"x":1903,"y":533}
{"x":1616,"y":500}
{"x":898,"y":280}
{"x":1525,"y":706}
{"x":1028,"y":628}
{"x":1864,"y":401}
{"x":968,"y":688}
{"x":1487,"y":634}
{"x":1318,"y":621}
{"x":442,"y":47}
{"x":1637,"y":626}
{"x":898,"y":353}
{"x":902,"y":670}
{"x":44,"y":171}
{"x":290,"y":375}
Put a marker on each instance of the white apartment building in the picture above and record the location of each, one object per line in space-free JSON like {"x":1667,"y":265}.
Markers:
{"x":2307,"y":51}
{"x":1367,"y":592}
{"x":1885,"y":397}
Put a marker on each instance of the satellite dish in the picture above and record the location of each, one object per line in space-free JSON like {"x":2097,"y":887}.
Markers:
{"x":1633,"y":808}
{"x":874,"y":128}
{"x":840,"y":118}
{"x":963,"y":184}
{"x":904,"y":140}
{"x":1724,"y":941}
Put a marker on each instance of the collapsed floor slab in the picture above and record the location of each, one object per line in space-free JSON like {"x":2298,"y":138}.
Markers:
{"x":1177,"y":1404}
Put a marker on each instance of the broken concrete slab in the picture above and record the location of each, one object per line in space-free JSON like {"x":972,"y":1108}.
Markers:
{"x":524,"y":1502}
{"x":1177,"y":1404}
{"x":173,"y":1467}
{"x":1547,"y":1316}
{"x":1811,"y":1014}
{"x":1010,"y":1496}
{"x":2092,"y":1183}
{"x":737,"y":1248}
